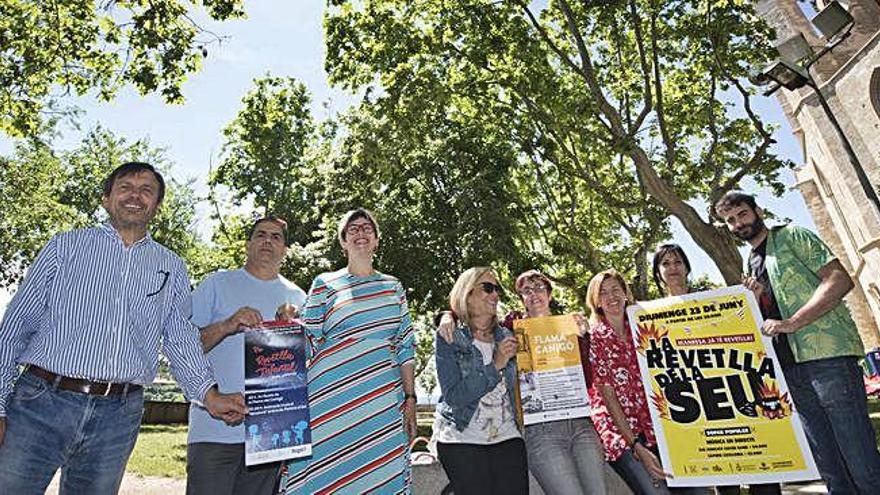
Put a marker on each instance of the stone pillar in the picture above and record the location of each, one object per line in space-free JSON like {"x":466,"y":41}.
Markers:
{"x":855,"y":300}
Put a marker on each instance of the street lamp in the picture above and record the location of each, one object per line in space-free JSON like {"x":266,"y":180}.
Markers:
{"x":787,"y":75}
{"x":835,"y":24}
{"x":832,"y":19}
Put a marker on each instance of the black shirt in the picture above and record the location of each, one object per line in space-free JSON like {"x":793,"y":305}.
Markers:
{"x":767,"y":303}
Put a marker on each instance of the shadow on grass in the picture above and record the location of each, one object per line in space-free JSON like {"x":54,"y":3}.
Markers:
{"x":160,"y":451}
{"x":874,"y":413}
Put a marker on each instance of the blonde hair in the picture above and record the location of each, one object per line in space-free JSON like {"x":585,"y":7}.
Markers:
{"x":351,"y":216}
{"x":595,"y":286}
{"x":462,"y":289}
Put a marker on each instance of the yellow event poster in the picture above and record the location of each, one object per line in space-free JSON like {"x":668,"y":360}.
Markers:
{"x":719,"y":403}
{"x":551,"y":378}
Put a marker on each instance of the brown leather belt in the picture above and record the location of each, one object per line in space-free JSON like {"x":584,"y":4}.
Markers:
{"x":80,"y":385}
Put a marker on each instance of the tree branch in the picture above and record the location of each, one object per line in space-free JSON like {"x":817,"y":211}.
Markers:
{"x":668,"y":141}
{"x":646,"y":71}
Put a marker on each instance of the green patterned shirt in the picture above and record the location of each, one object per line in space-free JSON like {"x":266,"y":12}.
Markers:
{"x":794,"y":257}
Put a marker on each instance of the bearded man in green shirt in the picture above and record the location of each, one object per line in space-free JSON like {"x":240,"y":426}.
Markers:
{"x":800,"y":285}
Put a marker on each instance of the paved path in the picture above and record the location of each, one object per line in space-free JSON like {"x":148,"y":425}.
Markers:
{"x":136,"y":485}
{"x":804,"y":489}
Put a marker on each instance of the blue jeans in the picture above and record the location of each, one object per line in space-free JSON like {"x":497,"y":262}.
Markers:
{"x":89,"y":437}
{"x":641,"y":482}
{"x":830,"y":396}
{"x":566,"y":457}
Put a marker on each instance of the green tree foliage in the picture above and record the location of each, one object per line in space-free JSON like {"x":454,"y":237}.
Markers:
{"x":264,"y":152}
{"x":443,"y":204}
{"x":53,"y":48}
{"x":46,"y":192}
{"x":621,"y":113}
{"x":29,"y":184}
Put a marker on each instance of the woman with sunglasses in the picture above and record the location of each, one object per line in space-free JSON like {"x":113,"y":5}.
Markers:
{"x":478,"y":439}
{"x":361,"y":389}
{"x":671,"y":269}
{"x":565,"y":456}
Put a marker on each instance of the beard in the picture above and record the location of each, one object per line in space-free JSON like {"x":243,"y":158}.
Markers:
{"x":749,"y":232}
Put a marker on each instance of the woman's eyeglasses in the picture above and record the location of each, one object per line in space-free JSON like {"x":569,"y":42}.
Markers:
{"x":529,"y":290}
{"x":353,"y":229}
{"x":489,"y":287}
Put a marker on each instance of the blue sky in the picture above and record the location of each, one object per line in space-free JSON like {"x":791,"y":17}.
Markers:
{"x":286,"y":38}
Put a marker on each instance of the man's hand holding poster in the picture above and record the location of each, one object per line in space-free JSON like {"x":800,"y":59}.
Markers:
{"x":719,"y":402}
{"x":551,"y":378}
{"x":275,"y":389}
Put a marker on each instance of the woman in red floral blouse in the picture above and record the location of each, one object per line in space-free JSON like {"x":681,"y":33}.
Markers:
{"x":620,"y":409}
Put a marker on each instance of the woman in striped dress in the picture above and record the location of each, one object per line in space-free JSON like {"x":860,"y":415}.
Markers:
{"x":361,"y":386}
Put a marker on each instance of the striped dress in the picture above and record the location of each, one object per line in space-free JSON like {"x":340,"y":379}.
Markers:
{"x":361,"y":332}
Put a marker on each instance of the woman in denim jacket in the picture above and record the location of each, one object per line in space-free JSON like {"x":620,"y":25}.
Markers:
{"x":478,"y":439}
{"x":565,"y":456}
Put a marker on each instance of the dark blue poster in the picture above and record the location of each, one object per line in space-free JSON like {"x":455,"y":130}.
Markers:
{"x":277,"y":426}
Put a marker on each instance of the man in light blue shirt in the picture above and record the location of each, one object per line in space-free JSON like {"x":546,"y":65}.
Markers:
{"x":224,"y":304}
{"x":87,"y":324}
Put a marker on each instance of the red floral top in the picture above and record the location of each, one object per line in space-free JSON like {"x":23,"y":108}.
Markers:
{"x":614,"y":363}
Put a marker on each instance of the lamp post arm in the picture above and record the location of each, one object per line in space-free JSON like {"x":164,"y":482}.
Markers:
{"x":828,"y":47}
{"x":847,"y":146}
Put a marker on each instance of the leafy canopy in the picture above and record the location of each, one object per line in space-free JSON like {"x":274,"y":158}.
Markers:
{"x":45,"y":192}
{"x":54,"y":48}
{"x":620,"y":114}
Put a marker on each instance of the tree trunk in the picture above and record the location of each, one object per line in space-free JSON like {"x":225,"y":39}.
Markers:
{"x":713,"y":241}
{"x":640,"y":283}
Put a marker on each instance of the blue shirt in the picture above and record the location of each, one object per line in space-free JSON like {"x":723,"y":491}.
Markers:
{"x":217,"y":298}
{"x":92,"y":308}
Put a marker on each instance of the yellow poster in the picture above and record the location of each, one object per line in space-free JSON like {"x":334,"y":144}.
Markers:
{"x":551,"y":379}
{"x":719,"y":402}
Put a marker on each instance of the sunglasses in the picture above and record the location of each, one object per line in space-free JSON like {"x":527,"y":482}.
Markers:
{"x":489,"y":287}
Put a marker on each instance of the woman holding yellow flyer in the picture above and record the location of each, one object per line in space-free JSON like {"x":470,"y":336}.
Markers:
{"x":620,"y":408}
{"x":565,"y":456}
{"x":671,"y":269}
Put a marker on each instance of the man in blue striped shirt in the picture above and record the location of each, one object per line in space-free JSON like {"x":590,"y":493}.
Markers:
{"x":86,"y":324}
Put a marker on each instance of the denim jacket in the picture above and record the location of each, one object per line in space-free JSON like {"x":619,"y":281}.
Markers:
{"x":463,"y":377}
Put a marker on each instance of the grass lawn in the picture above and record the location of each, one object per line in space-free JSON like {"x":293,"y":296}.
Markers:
{"x":160,"y":451}
{"x":874,"y":413}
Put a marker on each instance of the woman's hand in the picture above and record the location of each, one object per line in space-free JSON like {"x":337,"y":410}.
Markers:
{"x":286,"y":312}
{"x":446,"y":327}
{"x":650,"y":461}
{"x":504,"y":351}
{"x":410,"y":426}
{"x":581,"y":323}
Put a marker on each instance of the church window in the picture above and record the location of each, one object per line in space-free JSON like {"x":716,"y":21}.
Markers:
{"x":874,"y":90}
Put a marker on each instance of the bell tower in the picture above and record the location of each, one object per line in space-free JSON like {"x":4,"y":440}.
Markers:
{"x":849,"y":78}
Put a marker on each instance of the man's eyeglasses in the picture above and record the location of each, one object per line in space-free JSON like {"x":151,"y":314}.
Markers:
{"x":489,"y":287}
{"x":530,"y":290}
{"x":353,"y":229}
